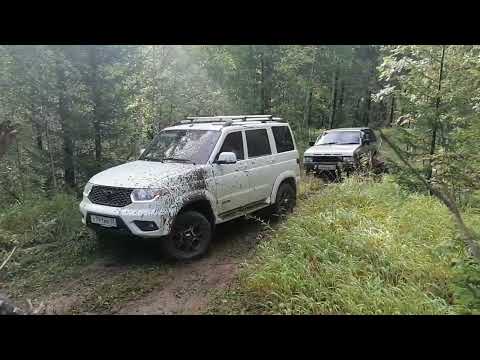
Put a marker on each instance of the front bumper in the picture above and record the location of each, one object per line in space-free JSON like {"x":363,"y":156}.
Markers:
{"x":314,"y":166}
{"x":126,"y":217}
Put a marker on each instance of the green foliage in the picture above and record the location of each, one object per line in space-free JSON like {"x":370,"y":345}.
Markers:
{"x":51,"y":242}
{"x":358,"y":248}
{"x":442,"y":111}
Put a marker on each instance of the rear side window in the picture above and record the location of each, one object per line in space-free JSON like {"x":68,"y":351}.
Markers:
{"x":233,"y":143}
{"x":257,"y":143}
{"x":283,"y":138}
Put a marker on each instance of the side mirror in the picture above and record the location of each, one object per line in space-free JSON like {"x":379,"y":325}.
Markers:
{"x":142,"y":151}
{"x":226,"y":158}
{"x":311,"y":143}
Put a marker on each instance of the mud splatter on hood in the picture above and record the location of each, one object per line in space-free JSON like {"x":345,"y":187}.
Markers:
{"x":143,"y":174}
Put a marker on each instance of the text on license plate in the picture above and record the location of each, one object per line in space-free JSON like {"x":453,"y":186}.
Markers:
{"x":103,"y":221}
{"x":325,"y":167}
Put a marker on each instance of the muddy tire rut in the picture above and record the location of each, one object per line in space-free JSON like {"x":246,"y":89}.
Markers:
{"x":149,"y":284}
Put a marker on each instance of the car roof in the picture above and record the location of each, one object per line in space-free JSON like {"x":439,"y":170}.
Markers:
{"x":222,"y":126}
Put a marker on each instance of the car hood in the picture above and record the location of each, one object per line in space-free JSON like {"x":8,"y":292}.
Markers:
{"x":143,"y":174}
{"x":342,"y":150}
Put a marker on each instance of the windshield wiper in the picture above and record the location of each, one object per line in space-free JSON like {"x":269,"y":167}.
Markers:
{"x":349,"y":143}
{"x":152,"y":159}
{"x":329,"y":143}
{"x":179,"y":160}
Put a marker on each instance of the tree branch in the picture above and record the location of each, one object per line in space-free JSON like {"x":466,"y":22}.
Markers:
{"x":8,"y":258}
{"x":469,"y":237}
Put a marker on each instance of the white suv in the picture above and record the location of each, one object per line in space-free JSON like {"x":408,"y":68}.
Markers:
{"x":199,"y":173}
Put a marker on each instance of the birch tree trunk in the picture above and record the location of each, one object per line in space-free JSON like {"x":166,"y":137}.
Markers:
{"x":435,"y":122}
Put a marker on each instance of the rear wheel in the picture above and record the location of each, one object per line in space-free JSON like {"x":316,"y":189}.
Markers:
{"x":286,"y":200}
{"x":189,"y":238}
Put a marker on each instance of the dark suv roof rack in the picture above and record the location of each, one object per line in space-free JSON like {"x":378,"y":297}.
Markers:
{"x":230,"y":119}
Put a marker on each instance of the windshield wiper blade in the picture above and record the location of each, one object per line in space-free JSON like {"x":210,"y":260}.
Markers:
{"x":152,"y":159}
{"x":349,"y":143}
{"x":329,"y":143}
{"x":179,"y":160}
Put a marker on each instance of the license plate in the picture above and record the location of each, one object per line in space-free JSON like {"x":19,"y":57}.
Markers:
{"x":325,"y":167}
{"x":103,"y":221}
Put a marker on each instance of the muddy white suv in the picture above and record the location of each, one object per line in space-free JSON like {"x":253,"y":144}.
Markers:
{"x":199,"y":173}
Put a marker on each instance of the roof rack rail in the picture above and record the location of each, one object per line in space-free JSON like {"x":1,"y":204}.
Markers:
{"x":229,"y":119}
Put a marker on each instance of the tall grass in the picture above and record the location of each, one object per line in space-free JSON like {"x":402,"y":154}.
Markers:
{"x":356,"y":248}
{"x":50,"y":239}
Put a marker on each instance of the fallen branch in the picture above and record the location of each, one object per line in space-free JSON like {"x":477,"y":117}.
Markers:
{"x":8,"y":258}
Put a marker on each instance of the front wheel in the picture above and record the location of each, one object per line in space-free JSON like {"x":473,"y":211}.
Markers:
{"x":286,"y":200}
{"x":189,"y":238}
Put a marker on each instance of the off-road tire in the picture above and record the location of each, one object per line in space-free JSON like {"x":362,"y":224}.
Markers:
{"x":189,"y":237}
{"x":285,"y":200}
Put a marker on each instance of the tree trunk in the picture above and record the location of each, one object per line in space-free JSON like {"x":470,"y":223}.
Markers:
{"x":50,"y":153}
{"x":36,"y":126}
{"x":68,"y":146}
{"x":37,"y":130}
{"x":19,"y":166}
{"x":392,"y":110}
{"x":97,"y":128}
{"x":333,"y":104}
{"x":366,"y":116}
{"x":267,"y":78}
{"x":435,"y":120}
{"x":7,"y":136}
{"x":262,"y":84}
{"x":340,"y":102}
{"x":307,"y":111}
{"x":356,"y":119}
{"x":252,"y":75}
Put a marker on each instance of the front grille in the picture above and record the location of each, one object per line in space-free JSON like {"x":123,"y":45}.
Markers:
{"x":328,"y":159}
{"x":110,"y":196}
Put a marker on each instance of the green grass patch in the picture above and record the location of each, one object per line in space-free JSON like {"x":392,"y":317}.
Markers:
{"x":357,"y":248}
{"x":52,"y":244}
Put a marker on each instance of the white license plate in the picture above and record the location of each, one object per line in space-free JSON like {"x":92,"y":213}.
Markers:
{"x":103,"y":221}
{"x":325,"y":167}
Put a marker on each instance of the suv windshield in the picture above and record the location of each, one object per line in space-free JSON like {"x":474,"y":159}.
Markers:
{"x":339,"y":138}
{"x":188,"y":146}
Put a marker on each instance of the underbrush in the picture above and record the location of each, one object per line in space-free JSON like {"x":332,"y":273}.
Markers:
{"x":50,"y":243}
{"x":360,"y":247}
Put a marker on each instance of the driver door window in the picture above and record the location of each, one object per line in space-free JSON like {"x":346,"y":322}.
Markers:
{"x":233,"y":143}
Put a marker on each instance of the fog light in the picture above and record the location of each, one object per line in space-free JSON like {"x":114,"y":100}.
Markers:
{"x":146,"y":225}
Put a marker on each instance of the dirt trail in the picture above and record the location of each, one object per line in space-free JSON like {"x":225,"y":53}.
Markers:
{"x":177,"y":288}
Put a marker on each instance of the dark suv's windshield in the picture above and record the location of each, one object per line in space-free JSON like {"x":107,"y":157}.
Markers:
{"x":339,"y":138}
{"x":186,"y":146}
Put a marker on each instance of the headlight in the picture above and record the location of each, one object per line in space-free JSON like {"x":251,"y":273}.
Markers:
{"x":348,"y":158}
{"x":307,"y":158}
{"x":147,"y":194}
{"x":87,"y":189}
